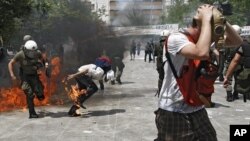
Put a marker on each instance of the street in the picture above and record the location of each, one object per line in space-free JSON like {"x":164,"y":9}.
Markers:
{"x":119,"y":113}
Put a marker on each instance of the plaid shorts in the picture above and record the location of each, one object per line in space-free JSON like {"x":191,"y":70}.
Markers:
{"x":173,"y":126}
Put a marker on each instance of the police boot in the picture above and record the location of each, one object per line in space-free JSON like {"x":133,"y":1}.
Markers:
{"x":33,"y":115}
{"x":229,"y":96}
{"x":248,"y":96}
{"x":73,"y":111}
{"x":119,"y":81}
{"x":235,"y":95}
{"x":30,"y":103}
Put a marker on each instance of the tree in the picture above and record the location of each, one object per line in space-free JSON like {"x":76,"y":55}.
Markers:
{"x":12,"y":14}
{"x":179,"y":12}
{"x":135,"y":15}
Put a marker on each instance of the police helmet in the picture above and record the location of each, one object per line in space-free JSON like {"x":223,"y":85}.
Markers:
{"x":26,"y":38}
{"x":30,"y":45}
{"x":165,"y":33}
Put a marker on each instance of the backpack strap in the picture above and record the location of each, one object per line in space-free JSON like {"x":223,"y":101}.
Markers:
{"x":170,"y":60}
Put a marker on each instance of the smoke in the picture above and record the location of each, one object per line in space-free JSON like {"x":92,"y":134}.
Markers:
{"x":78,"y":39}
{"x":130,"y":13}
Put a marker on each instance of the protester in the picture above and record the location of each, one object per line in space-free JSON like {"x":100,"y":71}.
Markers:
{"x":177,"y":118}
{"x":117,"y":67}
{"x":132,"y":50}
{"x":85,"y":80}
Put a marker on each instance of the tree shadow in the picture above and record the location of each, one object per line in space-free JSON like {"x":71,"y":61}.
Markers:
{"x":103,"y":112}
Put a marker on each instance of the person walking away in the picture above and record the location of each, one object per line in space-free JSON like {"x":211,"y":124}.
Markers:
{"x":178,"y":118}
{"x":138,"y":48}
{"x":152,"y":49}
{"x":132,"y":50}
{"x":148,"y":53}
{"x":117,"y":67}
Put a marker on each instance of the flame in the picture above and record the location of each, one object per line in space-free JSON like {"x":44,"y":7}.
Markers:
{"x":12,"y":98}
{"x":73,"y":92}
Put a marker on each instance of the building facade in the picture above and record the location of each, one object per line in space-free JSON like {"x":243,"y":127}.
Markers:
{"x":121,"y":12}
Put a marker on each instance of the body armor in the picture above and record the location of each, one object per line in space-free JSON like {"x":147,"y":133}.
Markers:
{"x":246,"y":54}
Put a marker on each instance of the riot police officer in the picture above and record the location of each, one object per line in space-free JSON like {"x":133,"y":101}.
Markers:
{"x":159,"y":59}
{"x":232,"y":93}
{"x":30,"y":61}
{"x":243,"y":78}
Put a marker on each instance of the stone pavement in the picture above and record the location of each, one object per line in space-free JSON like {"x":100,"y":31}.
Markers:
{"x":119,"y":113}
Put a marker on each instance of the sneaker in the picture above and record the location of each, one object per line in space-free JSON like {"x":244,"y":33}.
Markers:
{"x":75,"y":115}
{"x":72,"y":112}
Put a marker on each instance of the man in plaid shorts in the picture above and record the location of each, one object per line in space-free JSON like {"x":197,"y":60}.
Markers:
{"x":175,"y":119}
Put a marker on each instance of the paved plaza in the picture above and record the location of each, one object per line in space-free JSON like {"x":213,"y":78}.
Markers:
{"x":119,"y":113}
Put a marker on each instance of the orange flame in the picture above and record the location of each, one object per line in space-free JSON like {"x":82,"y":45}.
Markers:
{"x":73,"y":92}
{"x":12,"y":98}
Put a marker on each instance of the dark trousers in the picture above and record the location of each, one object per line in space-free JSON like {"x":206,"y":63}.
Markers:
{"x":149,"y":53}
{"x":174,"y":126}
{"x":85,"y":82}
{"x":32,"y":86}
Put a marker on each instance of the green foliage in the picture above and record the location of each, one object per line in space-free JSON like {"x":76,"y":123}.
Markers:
{"x":54,"y":22}
{"x":12,"y":14}
{"x":241,"y":12}
{"x":136,"y":18}
{"x":178,"y":12}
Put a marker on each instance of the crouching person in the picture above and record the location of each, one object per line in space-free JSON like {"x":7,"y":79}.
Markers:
{"x":84,"y":81}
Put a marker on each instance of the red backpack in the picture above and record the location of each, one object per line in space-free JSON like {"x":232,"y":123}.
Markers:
{"x":196,"y":78}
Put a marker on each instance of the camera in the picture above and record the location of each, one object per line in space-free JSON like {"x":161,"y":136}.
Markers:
{"x":224,"y":7}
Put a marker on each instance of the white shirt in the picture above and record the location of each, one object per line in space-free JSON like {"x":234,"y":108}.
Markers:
{"x":93,"y":71}
{"x":171,"y":98}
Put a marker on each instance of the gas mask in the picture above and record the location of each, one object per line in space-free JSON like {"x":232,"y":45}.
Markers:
{"x":32,"y":54}
{"x":218,"y":28}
